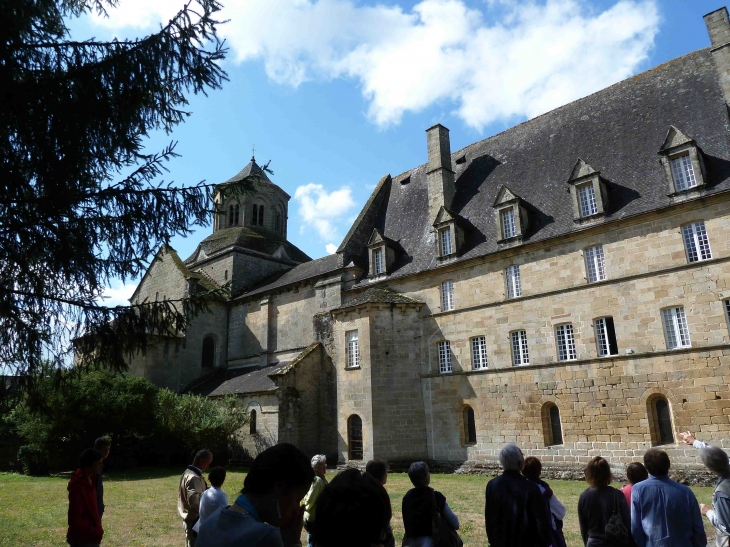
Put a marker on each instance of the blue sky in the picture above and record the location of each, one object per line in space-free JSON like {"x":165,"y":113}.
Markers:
{"x":338,"y":93}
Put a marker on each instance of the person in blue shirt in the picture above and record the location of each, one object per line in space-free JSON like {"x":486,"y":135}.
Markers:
{"x":664,"y":513}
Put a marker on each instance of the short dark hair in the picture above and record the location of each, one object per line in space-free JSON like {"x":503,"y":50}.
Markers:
{"x":377,"y":468}
{"x":636,"y":472}
{"x":102,"y":442}
{"x":216,"y":476}
{"x":598,"y":472}
{"x":89,"y":457}
{"x":418,"y":473}
{"x":353,"y":509}
{"x":657,"y":462}
{"x":532,"y":468}
{"x":201,"y":455}
{"x":280,"y":463}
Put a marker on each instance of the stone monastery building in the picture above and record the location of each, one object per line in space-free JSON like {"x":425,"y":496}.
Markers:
{"x":564,"y":285}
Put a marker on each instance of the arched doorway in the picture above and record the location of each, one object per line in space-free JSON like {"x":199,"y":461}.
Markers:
{"x":354,"y":437}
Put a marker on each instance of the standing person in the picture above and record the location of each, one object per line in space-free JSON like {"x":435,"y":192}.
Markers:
{"x":515,"y":514}
{"x":635,"y":473}
{"x":378,"y":470}
{"x":319,"y":465}
{"x":103,"y":445}
{"x":267,"y":513}
{"x":84,"y":522}
{"x":664,"y":513}
{"x":417,"y":507}
{"x":598,"y":503}
{"x":192,"y":485}
{"x":532,"y":471}
{"x":715,"y":459}
{"x":213,"y":498}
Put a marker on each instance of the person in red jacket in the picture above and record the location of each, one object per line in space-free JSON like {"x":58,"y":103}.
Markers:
{"x":84,"y":522}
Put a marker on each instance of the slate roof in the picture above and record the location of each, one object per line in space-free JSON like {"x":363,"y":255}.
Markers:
{"x":253,"y":167}
{"x":379,"y":296}
{"x":619,"y":131}
{"x":307,"y":270}
{"x":256,"y":238}
{"x":239,"y":381}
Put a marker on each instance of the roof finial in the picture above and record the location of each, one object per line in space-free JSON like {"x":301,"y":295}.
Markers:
{"x":253,"y":153}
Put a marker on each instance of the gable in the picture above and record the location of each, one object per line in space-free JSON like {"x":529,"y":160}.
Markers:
{"x":674,"y":138}
{"x":162,"y":280}
{"x":375,"y":238}
{"x":504,"y":195}
{"x":444,"y":215}
{"x":581,"y":169}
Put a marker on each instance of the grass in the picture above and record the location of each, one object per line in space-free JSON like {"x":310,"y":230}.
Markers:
{"x":141,"y":507}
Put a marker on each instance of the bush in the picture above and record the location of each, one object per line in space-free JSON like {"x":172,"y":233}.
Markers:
{"x":147,"y":425}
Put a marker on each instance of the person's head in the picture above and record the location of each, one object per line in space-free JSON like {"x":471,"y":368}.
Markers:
{"x":532,"y":468}
{"x":90,"y":461}
{"x":319,"y":465}
{"x":715,"y":459}
{"x":353,"y":510}
{"x":636,"y":472}
{"x":657,"y":462}
{"x":277,"y":481}
{"x":378,"y":469}
{"x":103,"y":445}
{"x":203,"y":459}
{"x":511,"y":458}
{"x":217,"y":476}
{"x":598,"y":472}
{"x":419,"y":475}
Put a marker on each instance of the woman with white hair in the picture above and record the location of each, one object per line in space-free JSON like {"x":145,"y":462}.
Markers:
{"x":715,"y":459}
{"x":319,"y":465}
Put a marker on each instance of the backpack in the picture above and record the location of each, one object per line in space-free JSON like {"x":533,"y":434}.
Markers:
{"x":443,"y":534}
{"x":616,"y":532}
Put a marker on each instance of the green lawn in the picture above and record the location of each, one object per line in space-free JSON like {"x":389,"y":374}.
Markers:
{"x":141,"y":507}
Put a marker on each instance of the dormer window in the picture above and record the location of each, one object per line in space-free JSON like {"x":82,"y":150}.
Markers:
{"x":382,"y":253}
{"x":378,"y":261}
{"x":683,"y":164}
{"x":511,"y":216}
{"x":509,"y":228}
{"x":588,"y":193}
{"x":445,"y":241}
{"x":449,"y":234}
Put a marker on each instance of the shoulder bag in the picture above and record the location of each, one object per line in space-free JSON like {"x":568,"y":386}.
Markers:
{"x":616,"y":532}
{"x":443,"y":533}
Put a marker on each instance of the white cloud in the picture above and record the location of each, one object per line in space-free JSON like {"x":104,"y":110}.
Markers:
{"x":323,"y":211}
{"x":540,"y":55}
{"x":331,"y":248}
{"x":118,"y":295}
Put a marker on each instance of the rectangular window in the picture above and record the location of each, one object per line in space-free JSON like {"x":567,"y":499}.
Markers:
{"x":683,"y":173}
{"x":378,"y":265}
{"x":696,"y":242}
{"x":605,"y":337}
{"x":514,"y":284}
{"x":353,"y":349}
{"x":447,"y":296}
{"x":566,"y":342}
{"x":479,"y":353}
{"x":595,"y":266}
{"x":726,"y":305}
{"x":444,"y":357}
{"x":587,"y":200}
{"x":509,"y":228}
{"x":675,"y":328}
{"x":445,"y":241}
{"x":520,"y":355}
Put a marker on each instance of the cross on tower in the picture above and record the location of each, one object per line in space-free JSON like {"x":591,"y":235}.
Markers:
{"x":253,"y":153}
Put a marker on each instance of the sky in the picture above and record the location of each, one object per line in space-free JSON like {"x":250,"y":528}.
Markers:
{"x":338,"y":93}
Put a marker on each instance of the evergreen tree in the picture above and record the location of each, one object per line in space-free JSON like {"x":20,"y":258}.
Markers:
{"x":79,"y":201}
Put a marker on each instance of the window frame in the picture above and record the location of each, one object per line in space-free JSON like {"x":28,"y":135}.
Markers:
{"x":442,"y":241}
{"x":513,"y":224}
{"x":519,"y":345}
{"x":548,"y":424}
{"x":595,"y":260}
{"x":690,"y":233}
{"x":673,"y":313}
{"x":378,"y":260}
{"x":444,"y":357}
{"x":479,"y":356}
{"x":470,"y":426}
{"x":252,"y":425}
{"x":353,"y":453}
{"x":655,"y":420}
{"x":726,"y":309}
{"x":352,"y":349}
{"x":513,"y":281}
{"x":447,"y":295}
{"x":605,"y":334}
{"x":565,"y":342}
{"x":591,"y":202}
{"x":685,"y":160}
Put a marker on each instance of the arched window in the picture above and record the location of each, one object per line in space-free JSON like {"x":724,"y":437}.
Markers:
{"x":470,"y":428}
{"x":255,"y":215}
{"x":261,"y":215}
{"x":252,"y":423}
{"x":208,"y":359}
{"x":236,"y":215}
{"x":660,"y":418}
{"x":551,"y":427}
{"x":354,"y":437}
{"x":277,"y":222}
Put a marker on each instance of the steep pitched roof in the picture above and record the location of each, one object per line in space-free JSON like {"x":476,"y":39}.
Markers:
{"x":253,"y":167}
{"x":618,"y":130}
{"x":256,"y":238}
{"x":307,"y":270}
{"x":379,"y":296}
{"x":239,"y":381}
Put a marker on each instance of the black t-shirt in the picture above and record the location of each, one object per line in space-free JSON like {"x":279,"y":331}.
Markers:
{"x":417,"y":510}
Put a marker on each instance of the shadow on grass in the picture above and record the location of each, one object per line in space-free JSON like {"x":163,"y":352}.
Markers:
{"x":146,"y":473}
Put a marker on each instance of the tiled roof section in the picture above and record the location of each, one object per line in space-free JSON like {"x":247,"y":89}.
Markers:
{"x":239,"y":381}
{"x":253,"y":167}
{"x":256,"y":238}
{"x":618,"y":131}
{"x":298,"y":359}
{"x":204,"y":280}
{"x":379,"y":296}
{"x":307,"y":270}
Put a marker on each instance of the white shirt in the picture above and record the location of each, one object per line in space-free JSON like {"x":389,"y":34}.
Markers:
{"x":212,"y":499}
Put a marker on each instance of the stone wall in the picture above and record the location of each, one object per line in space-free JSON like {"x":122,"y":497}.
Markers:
{"x":266,"y":406}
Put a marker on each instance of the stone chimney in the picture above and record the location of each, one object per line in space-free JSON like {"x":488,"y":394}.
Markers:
{"x":718,"y":27}
{"x":439,"y":174}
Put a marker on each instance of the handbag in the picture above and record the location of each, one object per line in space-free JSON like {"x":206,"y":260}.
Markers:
{"x":616,"y":532}
{"x":443,"y":533}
